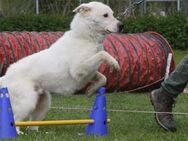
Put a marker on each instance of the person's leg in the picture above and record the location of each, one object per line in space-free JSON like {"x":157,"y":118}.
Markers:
{"x":164,"y":97}
{"x":178,"y":79}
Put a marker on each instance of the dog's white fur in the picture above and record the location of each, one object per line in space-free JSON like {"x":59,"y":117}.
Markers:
{"x":67,"y":66}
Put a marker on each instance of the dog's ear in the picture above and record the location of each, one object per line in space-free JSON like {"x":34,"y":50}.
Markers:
{"x":83,"y":9}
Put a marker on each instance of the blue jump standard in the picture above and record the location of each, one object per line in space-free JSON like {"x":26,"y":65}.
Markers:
{"x":7,"y":124}
{"x":99,"y":115}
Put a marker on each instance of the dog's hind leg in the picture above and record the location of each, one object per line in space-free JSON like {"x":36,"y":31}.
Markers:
{"x":42,"y":107}
{"x":97,"y":81}
{"x":23,"y":100}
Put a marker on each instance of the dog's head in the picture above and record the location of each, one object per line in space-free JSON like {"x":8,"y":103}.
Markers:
{"x":96,"y":17}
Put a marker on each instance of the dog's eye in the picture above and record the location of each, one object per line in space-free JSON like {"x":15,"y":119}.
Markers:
{"x":105,"y":15}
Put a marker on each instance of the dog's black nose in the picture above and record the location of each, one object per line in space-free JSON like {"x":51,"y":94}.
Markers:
{"x":120,"y":27}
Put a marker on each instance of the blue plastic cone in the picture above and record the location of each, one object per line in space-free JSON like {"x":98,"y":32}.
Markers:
{"x":99,"y":115}
{"x":7,"y":124}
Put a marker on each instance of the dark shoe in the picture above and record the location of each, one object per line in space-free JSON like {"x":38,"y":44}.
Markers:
{"x":163,"y":103}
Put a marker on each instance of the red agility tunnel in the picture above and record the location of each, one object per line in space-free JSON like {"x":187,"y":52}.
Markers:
{"x":142,"y":57}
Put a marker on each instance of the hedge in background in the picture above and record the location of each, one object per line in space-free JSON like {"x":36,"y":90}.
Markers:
{"x":34,"y":23}
{"x":174,"y":27}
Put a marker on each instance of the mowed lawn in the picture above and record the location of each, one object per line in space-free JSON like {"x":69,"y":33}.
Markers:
{"x":126,"y":125}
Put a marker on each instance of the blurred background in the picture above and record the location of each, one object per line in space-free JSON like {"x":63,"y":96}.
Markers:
{"x":167,"y":17}
{"x":65,"y":7}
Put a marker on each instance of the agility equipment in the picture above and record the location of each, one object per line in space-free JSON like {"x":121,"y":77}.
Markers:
{"x":169,"y":59}
{"x":99,"y":114}
{"x":97,"y":125}
{"x":7,"y":124}
{"x":142,"y":57}
{"x":56,"y":122}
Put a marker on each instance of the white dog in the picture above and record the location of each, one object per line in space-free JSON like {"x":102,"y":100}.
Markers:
{"x":67,"y":66}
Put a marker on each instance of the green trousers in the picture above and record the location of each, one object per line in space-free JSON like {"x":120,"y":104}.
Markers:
{"x":178,"y":79}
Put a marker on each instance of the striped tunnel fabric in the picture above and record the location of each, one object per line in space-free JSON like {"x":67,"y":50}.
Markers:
{"x":142,"y":57}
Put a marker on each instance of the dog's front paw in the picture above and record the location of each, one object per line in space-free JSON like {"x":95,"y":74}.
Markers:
{"x":115,"y":65}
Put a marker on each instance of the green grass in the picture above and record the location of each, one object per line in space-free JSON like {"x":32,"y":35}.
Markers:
{"x":124,"y":126}
{"x":179,"y":55}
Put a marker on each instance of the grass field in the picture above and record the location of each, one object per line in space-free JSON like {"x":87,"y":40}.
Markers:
{"x":125,"y":126}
